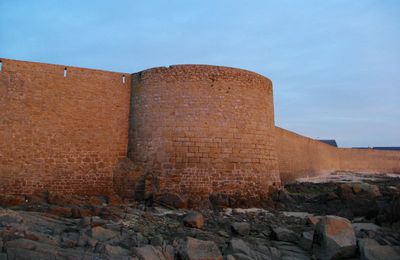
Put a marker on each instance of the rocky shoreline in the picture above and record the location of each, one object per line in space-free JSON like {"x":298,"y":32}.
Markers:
{"x":338,"y":218}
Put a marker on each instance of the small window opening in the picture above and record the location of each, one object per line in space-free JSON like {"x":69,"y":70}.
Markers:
{"x":65,"y":72}
{"x":1,"y":65}
{"x":123,"y":79}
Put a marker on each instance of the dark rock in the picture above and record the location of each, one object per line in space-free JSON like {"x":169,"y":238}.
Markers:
{"x":8,"y":217}
{"x":334,"y":238}
{"x":69,"y":239}
{"x":102,"y":234}
{"x":306,"y":240}
{"x":149,"y":252}
{"x":195,"y":249}
{"x":345,"y":191}
{"x":157,"y":240}
{"x":372,"y":250}
{"x":194,"y":219}
{"x":116,"y":252}
{"x":283,"y":234}
{"x":241,"y":228}
{"x":289,"y":250}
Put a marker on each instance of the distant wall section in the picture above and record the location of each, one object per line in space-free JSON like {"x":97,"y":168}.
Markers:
{"x":61,"y":134}
{"x":301,"y":157}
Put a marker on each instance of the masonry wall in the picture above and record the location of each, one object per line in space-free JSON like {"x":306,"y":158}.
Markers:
{"x":301,"y":157}
{"x":61,"y":134}
{"x":204,"y":130}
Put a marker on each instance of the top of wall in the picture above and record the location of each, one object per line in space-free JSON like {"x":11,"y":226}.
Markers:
{"x":195,"y":72}
{"x":9,"y":65}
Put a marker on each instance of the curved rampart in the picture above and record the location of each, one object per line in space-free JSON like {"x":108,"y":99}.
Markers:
{"x":203,"y":130}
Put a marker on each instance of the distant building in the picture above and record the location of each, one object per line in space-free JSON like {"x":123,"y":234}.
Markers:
{"x":391,"y":148}
{"x":330,"y":142}
{"x":385,"y":148}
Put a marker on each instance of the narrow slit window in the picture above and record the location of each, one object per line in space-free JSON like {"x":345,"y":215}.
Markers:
{"x":123,"y":79}
{"x":1,"y":65}
{"x":65,"y":72}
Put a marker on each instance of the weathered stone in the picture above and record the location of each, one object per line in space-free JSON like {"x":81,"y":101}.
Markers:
{"x":115,"y":251}
{"x":371,"y":189}
{"x":172,"y":200}
{"x":372,"y":250}
{"x":345,"y":191}
{"x":149,"y":252}
{"x":194,"y":219}
{"x":9,"y":217}
{"x":334,"y":238}
{"x":284,"y":234}
{"x":241,"y":228}
{"x":102,"y":234}
{"x":290,"y":251}
{"x":313,"y":220}
{"x":195,"y":249}
{"x":61,"y":211}
{"x":306,"y":240}
{"x":242,"y":251}
{"x":365,"y":226}
{"x":69,"y":239}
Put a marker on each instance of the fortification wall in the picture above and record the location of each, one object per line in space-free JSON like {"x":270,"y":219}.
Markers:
{"x":369,"y":161}
{"x":301,"y":157}
{"x":61,"y":134}
{"x":204,"y":130}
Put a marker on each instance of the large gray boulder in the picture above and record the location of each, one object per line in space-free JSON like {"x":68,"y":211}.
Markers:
{"x":334,"y":238}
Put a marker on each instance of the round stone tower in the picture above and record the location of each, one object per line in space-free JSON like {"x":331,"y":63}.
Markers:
{"x":204,"y":132}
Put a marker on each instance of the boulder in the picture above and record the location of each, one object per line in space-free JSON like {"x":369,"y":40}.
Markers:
{"x":345,"y":191}
{"x":194,"y":219}
{"x":334,"y":238}
{"x":240,"y":250}
{"x":149,"y":252}
{"x":372,"y":250}
{"x":115,"y":252}
{"x":9,"y":217}
{"x":195,"y":249}
{"x":101,"y":234}
{"x":372,"y":190}
{"x":284,"y":234}
{"x":241,"y":228}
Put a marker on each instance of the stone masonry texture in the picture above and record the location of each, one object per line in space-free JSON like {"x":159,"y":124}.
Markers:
{"x":60,"y":134}
{"x":204,"y":129}
{"x":188,"y":130}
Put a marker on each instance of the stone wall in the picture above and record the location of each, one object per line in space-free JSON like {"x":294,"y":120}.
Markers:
{"x":188,"y":130}
{"x":302,"y":157}
{"x":204,"y":130}
{"x":61,"y":134}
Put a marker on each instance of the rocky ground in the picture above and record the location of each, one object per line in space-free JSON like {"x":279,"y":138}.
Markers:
{"x":355,"y":217}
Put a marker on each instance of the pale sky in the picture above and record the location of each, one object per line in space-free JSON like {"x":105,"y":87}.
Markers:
{"x":335,"y":65}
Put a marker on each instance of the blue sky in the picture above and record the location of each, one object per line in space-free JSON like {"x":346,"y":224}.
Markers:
{"x":335,"y":65}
